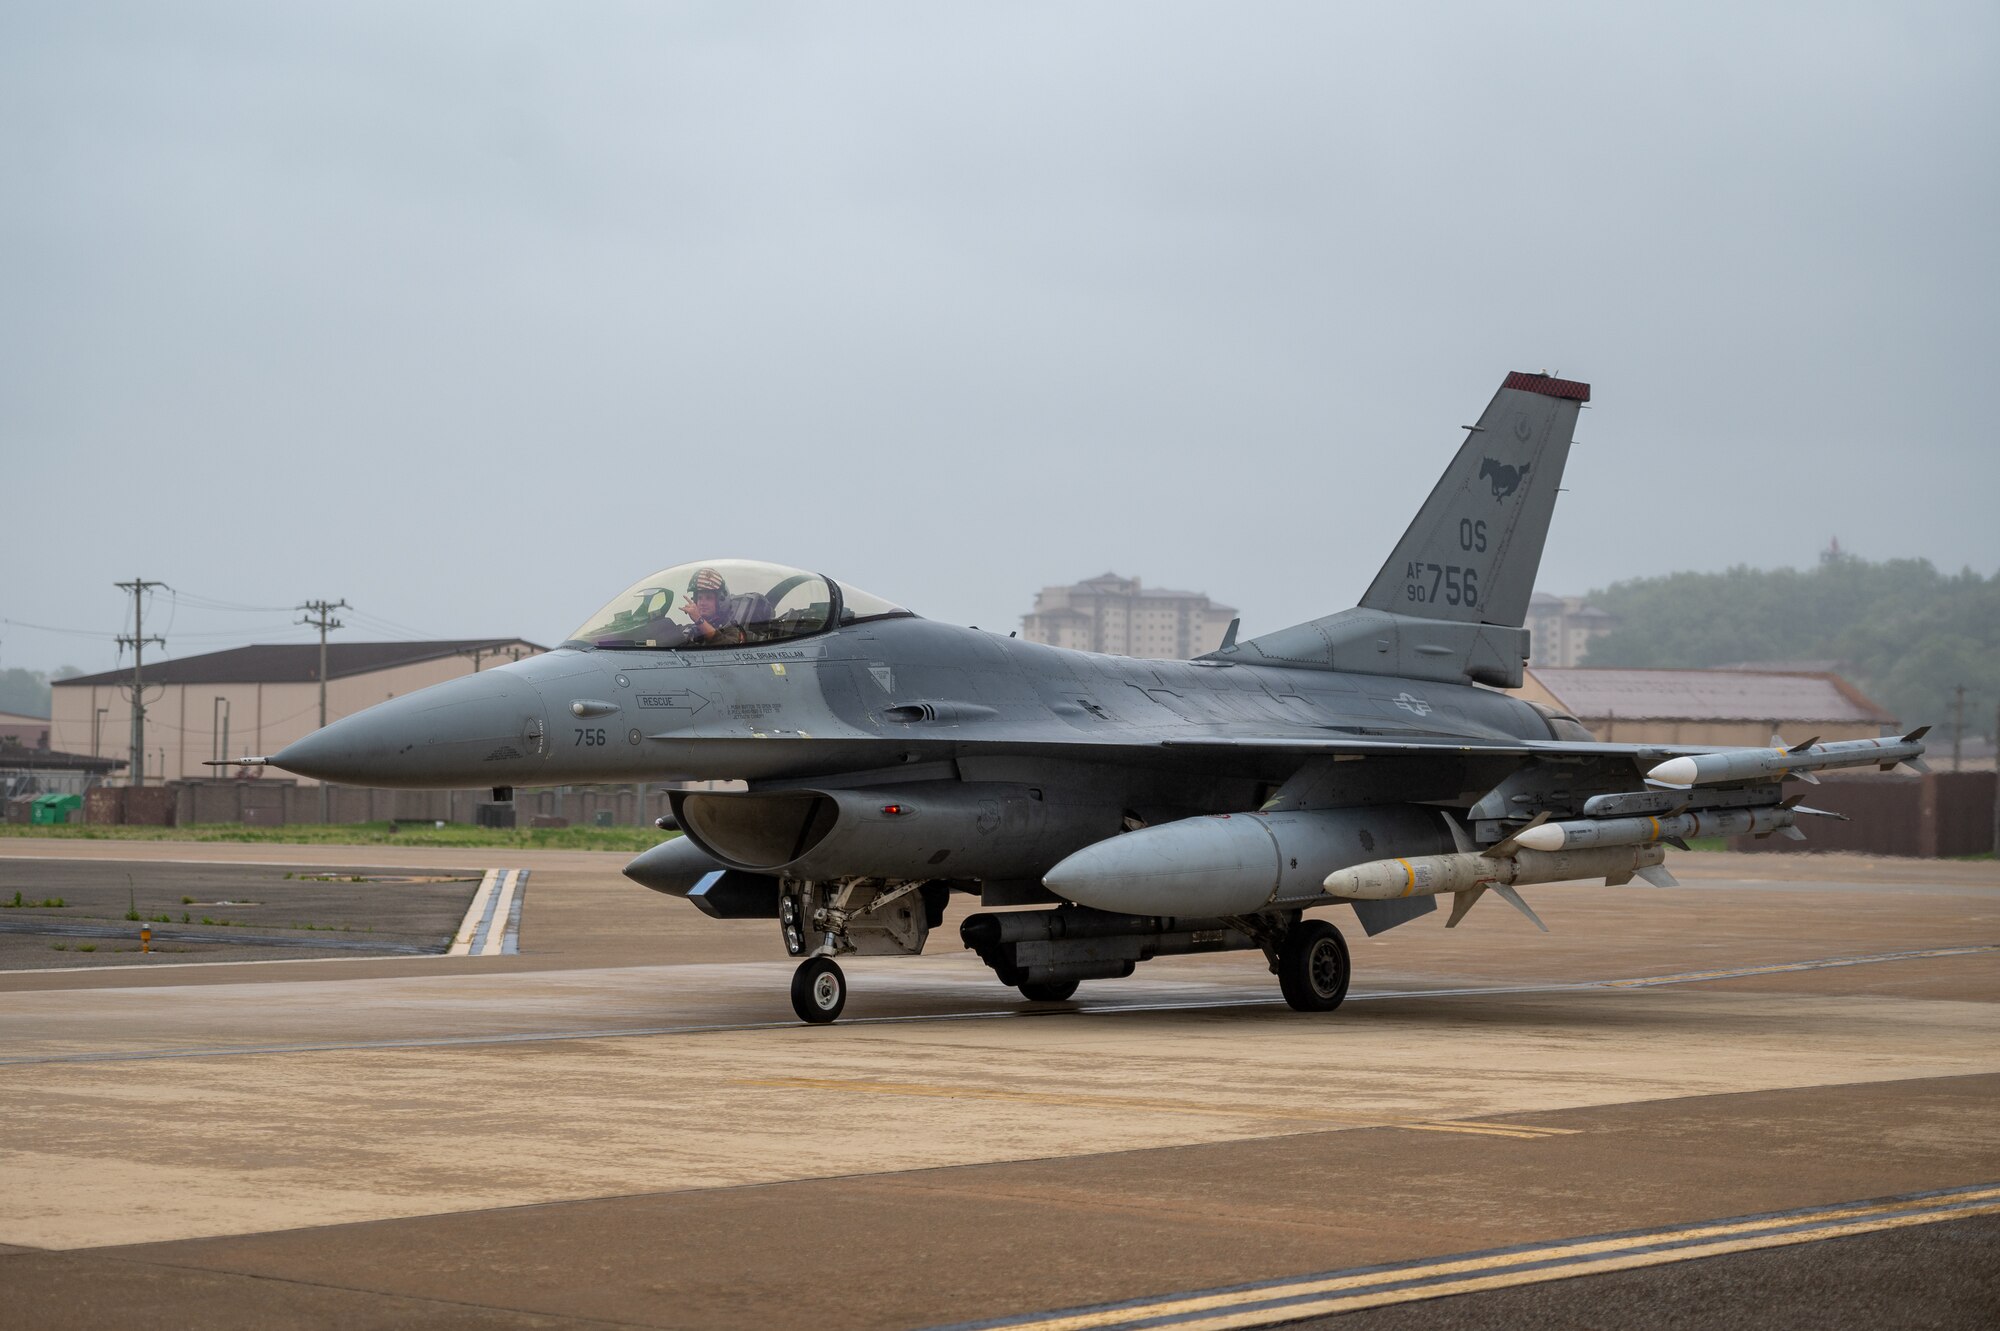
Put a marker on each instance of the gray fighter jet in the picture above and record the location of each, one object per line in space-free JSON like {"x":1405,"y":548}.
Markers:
{"x":1149,"y":807}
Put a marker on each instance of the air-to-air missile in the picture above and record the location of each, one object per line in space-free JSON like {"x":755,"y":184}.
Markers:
{"x":1584,"y":833}
{"x":1800,"y":760}
{"x":1468,"y":871}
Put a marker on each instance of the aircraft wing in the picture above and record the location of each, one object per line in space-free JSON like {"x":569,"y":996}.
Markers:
{"x":1674,"y":765}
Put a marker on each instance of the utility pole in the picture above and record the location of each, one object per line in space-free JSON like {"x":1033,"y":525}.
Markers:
{"x":1957,"y":728}
{"x":1996,"y":781}
{"x":137,"y":642}
{"x":319,"y":614}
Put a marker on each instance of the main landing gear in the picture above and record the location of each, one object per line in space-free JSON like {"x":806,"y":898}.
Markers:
{"x":1313,"y":968}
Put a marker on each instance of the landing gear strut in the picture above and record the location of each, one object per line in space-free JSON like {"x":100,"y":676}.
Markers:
{"x":1312,"y":966}
{"x":819,"y":990}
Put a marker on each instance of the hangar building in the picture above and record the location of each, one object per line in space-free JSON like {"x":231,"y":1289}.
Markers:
{"x":1718,"y":707}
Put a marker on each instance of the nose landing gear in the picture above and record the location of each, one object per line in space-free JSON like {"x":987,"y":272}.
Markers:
{"x":819,"y":990}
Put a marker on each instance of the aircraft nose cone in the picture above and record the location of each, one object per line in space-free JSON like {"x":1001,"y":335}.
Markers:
{"x":468,"y":731}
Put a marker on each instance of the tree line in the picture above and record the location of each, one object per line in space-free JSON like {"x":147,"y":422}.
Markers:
{"x":26,"y":692}
{"x":1904,"y":633}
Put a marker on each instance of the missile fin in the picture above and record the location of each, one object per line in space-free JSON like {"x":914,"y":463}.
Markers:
{"x":1619,"y":879}
{"x":1791,"y":834}
{"x":1462,"y":902}
{"x":1804,"y":776}
{"x":1513,"y":898}
{"x":1657,"y":875}
{"x":1500,"y":850}
{"x":1801,"y":748}
{"x":1817,"y":813}
{"x":1678,"y":843}
{"x":1460,"y":841}
{"x":1916,"y":734}
{"x":1917,"y":765}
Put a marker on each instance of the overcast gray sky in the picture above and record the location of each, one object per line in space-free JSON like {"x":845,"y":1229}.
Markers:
{"x":472,"y":314}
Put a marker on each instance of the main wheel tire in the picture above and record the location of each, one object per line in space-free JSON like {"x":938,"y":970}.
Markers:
{"x":1312,"y":966}
{"x":819,"y":990}
{"x":1047,"y":991}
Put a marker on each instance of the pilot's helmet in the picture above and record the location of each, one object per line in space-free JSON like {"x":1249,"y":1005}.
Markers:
{"x":707,"y":580}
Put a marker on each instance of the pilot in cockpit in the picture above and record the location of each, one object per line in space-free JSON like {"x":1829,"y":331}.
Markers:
{"x":711,"y":616}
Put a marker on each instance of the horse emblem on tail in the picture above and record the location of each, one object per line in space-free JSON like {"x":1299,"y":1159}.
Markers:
{"x":1505,"y":479}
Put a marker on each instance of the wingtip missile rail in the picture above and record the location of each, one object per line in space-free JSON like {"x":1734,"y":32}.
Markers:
{"x":1800,"y":760}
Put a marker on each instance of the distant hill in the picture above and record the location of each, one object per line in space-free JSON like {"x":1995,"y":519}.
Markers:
{"x":1902,"y":631}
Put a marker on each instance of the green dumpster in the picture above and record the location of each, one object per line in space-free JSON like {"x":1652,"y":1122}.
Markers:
{"x":54,"y":808}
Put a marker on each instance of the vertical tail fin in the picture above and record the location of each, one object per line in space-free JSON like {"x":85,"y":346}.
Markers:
{"x":1452,"y":601}
{"x":1473,"y":550}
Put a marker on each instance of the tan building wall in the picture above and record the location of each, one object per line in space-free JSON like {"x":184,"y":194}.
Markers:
{"x":181,"y":728}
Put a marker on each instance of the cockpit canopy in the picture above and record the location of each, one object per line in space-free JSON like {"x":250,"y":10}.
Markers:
{"x":726,"y":603}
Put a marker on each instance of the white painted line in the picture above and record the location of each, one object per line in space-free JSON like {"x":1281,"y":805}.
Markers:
{"x":461,"y":943}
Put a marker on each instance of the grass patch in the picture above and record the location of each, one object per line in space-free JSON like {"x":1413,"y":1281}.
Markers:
{"x":1708,"y":843}
{"x":21,"y":903}
{"x":631,"y":839}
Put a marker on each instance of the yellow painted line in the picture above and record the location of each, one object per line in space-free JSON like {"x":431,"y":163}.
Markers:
{"x":1604,"y":1266}
{"x":461,"y":943}
{"x":1586,"y":1258}
{"x":928,"y":1090}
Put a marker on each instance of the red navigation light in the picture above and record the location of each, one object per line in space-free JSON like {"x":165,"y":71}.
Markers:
{"x":894,"y":810}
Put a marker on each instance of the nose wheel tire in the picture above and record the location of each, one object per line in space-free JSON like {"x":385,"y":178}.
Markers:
{"x":1312,"y":966}
{"x":1047,"y":991}
{"x":819,"y":990}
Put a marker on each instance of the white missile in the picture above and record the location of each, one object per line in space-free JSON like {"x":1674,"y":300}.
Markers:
{"x":1800,"y":760}
{"x":1583,"y":833}
{"x":1468,"y":871}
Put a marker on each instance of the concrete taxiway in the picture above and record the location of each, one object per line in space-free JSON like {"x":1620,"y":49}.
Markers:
{"x":1718,"y":1087}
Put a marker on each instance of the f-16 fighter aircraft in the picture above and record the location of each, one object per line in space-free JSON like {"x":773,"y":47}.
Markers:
{"x":1149,"y":807}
